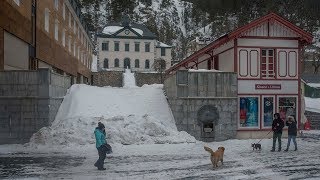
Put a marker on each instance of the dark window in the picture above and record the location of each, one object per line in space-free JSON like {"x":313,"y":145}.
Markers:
{"x":147,"y":47}
{"x":105,"y":46}
{"x":116,"y":46}
{"x":137,"y":47}
{"x":106,"y":63}
{"x":147,"y":64}
{"x":126,"y":47}
{"x":163,"y":51}
{"x":116,"y":63}
{"x":136,"y":63}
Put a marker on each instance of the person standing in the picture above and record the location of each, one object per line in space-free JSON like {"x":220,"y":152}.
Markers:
{"x":277,"y":126}
{"x":100,"y":135}
{"x":292,"y":132}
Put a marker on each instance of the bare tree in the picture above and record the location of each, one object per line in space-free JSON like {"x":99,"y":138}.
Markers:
{"x":313,"y":53}
{"x":159,"y":66}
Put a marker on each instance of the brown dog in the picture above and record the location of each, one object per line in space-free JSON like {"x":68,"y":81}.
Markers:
{"x":215,"y":156}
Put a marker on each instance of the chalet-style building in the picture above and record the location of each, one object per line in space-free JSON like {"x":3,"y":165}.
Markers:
{"x":129,"y":45}
{"x":45,"y":34}
{"x":266,"y":56}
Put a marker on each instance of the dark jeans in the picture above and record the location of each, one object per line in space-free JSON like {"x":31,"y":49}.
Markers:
{"x":293,"y":139}
{"x":275,"y":137}
{"x":102,"y":156}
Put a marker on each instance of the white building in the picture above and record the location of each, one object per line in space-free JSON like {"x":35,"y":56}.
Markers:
{"x":129,"y":45}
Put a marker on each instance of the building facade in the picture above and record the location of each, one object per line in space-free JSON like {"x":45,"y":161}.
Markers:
{"x":266,"y":55}
{"x":129,"y":45}
{"x":45,"y":34}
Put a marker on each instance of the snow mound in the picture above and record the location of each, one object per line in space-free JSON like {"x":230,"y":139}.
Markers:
{"x":138,"y":115}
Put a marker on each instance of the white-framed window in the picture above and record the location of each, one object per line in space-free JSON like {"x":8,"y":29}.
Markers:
{"x":267,"y":63}
{"x":17,"y":2}
{"x":46,"y":19}
{"x":74,"y":26}
{"x":56,"y":29}
{"x":64,"y":11}
{"x":70,"y":18}
{"x":56,"y":4}
{"x":249,"y":112}
{"x":64,"y":37}
{"x":74,"y":49}
{"x":69,"y":43}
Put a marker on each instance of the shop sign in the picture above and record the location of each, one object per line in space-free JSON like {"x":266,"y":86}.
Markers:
{"x":267,"y":86}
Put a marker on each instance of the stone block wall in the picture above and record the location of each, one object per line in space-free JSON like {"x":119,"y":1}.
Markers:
{"x":148,"y":78}
{"x":29,"y":100}
{"x":107,"y":78}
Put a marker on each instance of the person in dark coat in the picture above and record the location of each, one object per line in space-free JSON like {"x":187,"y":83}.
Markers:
{"x":101,"y":142}
{"x":277,"y":126}
{"x":292,"y":132}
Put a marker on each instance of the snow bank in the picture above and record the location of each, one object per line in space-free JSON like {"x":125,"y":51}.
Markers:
{"x":312,"y":104}
{"x":138,"y":115}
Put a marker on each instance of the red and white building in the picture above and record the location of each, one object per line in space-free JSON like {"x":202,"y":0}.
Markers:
{"x":266,"y":54}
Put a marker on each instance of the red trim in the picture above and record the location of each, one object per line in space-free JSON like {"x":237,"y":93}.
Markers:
{"x":235,"y":58}
{"x":299,"y":85}
{"x":296,"y":63}
{"x":260,"y":114}
{"x":269,"y":79}
{"x":266,"y":37}
{"x":243,"y":63}
{"x":286,"y":63}
{"x":268,"y":94}
{"x":216,"y":62}
{"x":268,"y":47}
{"x":257,"y":64}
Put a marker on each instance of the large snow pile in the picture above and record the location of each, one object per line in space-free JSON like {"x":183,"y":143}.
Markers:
{"x":129,"y":79}
{"x":136,"y":115}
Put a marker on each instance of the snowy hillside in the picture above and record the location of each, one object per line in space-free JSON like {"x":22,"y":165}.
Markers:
{"x":132,"y":115}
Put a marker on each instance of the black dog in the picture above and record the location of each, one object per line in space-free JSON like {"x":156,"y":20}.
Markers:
{"x":256,"y":146}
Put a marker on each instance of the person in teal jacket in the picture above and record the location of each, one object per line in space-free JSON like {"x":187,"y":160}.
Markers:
{"x":101,"y":142}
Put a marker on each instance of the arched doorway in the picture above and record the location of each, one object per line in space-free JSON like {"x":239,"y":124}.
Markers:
{"x":207,"y":117}
{"x":126,"y":63}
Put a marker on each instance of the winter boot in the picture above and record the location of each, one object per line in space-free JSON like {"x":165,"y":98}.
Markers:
{"x":295,"y":149}
{"x":279,"y":149}
{"x":286,"y":150}
{"x":272,"y":150}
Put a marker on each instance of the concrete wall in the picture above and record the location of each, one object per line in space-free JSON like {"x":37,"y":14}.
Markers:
{"x":29,"y":100}
{"x":189,"y":92}
{"x":148,"y":78}
{"x":107,"y":78}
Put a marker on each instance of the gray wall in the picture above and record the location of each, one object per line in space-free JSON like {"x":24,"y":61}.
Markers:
{"x":107,"y":78}
{"x":29,"y":100}
{"x":189,"y":92}
{"x":148,"y":78}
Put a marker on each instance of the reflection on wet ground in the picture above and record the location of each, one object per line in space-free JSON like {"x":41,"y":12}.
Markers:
{"x":28,"y":165}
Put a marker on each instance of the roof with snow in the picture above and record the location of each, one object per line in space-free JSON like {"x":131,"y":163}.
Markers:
{"x":303,"y":36}
{"x":312,"y":80}
{"x":162,"y":45}
{"x":113,"y":30}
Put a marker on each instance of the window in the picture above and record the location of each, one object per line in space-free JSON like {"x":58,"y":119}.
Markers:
{"x":64,"y":37}
{"x":106,"y":63}
{"x":70,"y":19}
{"x":147,"y":64}
{"x":17,"y":2}
{"x":267,"y":63}
{"x":46,"y":19}
{"x":136,"y":63}
{"x":56,"y":29}
{"x":116,"y":46}
{"x":163,"y":51}
{"x":78,"y":52}
{"x":74,"y":26}
{"x":137,"y":47}
{"x":64,"y":11}
{"x":127,"y":47}
{"x":56,"y":4}
{"x":105,"y":46}
{"x":74,"y":49}
{"x":268,"y":111}
{"x":69,"y":43}
{"x":116,"y":62}
{"x":147,"y":47}
{"x":249,"y":112}
{"x":287,"y":107}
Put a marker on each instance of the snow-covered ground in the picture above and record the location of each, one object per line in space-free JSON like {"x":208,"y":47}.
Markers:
{"x":146,"y":144}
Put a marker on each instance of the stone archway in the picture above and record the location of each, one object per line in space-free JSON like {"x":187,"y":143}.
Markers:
{"x":126,"y":63}
{"x":207,"y":117}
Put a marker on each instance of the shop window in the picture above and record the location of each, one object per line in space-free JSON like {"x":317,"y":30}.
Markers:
{"x":287,"y":107}
{"x":268,"y":111}
{"x":116,"y":62}
{"x":267,"y":63}
{"x":249,"y":112}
